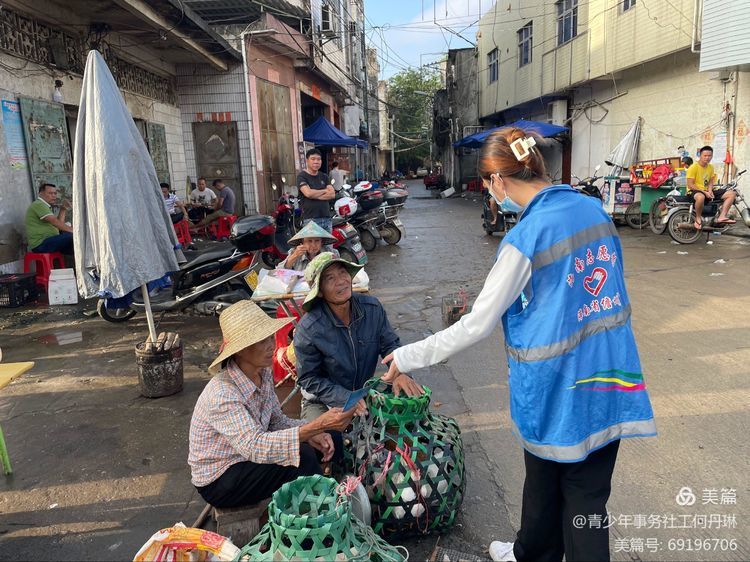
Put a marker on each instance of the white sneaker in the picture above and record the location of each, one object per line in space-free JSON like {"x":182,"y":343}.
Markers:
{"x":502,"y":551}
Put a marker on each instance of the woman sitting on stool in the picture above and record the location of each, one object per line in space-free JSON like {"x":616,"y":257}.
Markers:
{"x":242,"y":446}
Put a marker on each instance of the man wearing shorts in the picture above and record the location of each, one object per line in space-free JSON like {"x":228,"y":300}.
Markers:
{"x":700,"y":185}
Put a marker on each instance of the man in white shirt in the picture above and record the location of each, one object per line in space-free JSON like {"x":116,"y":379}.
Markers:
{"x":201,"y":201}
{"x":172,"y":203}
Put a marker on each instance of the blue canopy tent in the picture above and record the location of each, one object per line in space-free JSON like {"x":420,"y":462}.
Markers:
{"x":322,"y":133}
{"x":542,"y":129}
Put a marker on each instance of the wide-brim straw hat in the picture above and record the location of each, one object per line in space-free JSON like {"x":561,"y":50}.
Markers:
{"x":315,"y":269}
{"x":242,"y":325}
{"x":312,"y":230}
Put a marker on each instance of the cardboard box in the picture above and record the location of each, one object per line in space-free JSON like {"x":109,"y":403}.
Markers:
{"x":62,"y":288}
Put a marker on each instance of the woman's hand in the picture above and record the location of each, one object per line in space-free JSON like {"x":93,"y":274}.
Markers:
{"x":393,"y":371}
{"x":407,"y":385}
{"x":323,"y":443}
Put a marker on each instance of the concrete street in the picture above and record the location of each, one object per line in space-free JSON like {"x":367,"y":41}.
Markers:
{"x":98,"y":468}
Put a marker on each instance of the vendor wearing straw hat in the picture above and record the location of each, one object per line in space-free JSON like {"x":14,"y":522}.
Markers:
{"x":308,"y":243}
{"x":339,"y":340}
{"x":242,"y":446}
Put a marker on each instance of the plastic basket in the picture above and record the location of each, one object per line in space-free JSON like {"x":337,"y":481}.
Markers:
{"x":16,"y":289}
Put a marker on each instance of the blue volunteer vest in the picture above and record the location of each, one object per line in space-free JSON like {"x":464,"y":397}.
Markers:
{"x":575,"y":377}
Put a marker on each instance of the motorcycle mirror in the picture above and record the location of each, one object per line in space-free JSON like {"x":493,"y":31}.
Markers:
{"x":283,"y":179}
{"x":597,"y":168}
{"x":273,"y":186}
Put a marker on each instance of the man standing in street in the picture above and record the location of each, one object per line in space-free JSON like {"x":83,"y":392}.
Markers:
{"x":337,"y":176}
{"x":223,"y":205}
{"x":316,"y":192}
{"x":45,"y":231}
{"x":700,"y":185}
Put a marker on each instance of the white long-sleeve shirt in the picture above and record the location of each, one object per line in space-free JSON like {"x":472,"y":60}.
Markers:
{"x":503,"y":285}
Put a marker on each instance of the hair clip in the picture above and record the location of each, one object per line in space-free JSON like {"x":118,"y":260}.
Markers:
{"x":525,"y":144}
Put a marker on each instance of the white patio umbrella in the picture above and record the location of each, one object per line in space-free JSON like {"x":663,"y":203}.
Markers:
{"x":625,"y":153}
{"x":122,"y":234}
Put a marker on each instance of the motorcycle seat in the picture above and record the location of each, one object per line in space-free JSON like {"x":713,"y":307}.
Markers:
{"x":215,"y":252}
{"x":683,"y":198}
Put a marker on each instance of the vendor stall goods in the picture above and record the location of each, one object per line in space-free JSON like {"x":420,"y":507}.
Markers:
{"x":410,"y":461}
{"x":309,"y":519}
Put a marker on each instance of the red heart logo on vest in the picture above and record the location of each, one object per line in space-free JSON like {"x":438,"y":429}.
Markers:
{"x":594,"y":282}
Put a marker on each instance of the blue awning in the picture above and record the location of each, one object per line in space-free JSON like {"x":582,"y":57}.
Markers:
{"x":322,"y":133}
{"x":542,"y":129}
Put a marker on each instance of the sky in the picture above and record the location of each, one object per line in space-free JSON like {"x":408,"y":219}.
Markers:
{"x":408,"y":32}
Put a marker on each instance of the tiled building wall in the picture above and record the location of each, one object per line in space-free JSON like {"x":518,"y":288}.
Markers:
{"x":206,"y":91}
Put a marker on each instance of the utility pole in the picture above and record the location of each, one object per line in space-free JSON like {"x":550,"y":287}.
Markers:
{"x":393,"y":147}
{"x":366,"y":100}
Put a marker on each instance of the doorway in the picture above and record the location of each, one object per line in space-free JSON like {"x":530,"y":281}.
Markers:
{"x":217,"y":157}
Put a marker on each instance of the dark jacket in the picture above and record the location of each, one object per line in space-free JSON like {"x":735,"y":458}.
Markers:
{"x":333,"y":359}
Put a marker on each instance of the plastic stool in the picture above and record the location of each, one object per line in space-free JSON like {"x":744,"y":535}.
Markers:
{"x":222,"y":227}
{"x":43,"y":265}
{"x":182,"y":230}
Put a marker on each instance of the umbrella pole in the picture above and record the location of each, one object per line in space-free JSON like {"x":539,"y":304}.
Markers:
{"x":149,"y":313}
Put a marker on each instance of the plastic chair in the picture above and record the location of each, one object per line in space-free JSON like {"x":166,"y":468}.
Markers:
{"x":182,"y":229}
{"x":43,"y":265}
{"x":222,"y":228}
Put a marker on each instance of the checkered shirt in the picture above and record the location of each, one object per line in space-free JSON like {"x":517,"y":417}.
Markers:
{"x":235,"y":421}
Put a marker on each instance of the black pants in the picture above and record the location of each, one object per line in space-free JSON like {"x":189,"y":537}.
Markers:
{"x":556,"y":496}
{"x":247,"y":483}
{"x":198,"y":213}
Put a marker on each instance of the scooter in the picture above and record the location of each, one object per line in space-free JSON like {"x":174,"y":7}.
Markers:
{"x":679,"y":215}
{"x":587,"y":186}
{"x":285,"y":229}
{"x":210,"y":280}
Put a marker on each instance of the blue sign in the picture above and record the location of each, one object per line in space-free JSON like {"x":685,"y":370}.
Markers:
{"x":14,"y":140}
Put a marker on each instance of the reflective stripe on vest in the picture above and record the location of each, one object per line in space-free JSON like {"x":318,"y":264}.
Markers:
{"x":579,"y":451}
{"x":545,"y":352}
{"x":567,"y":245}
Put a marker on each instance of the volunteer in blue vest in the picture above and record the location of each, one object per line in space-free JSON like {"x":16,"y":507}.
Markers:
{"x":575,"y":379}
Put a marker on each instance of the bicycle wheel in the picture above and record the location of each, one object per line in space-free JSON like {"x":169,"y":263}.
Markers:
{"x":654,"y":217}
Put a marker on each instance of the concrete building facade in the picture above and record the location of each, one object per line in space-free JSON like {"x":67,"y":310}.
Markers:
{"x":597,"y":66}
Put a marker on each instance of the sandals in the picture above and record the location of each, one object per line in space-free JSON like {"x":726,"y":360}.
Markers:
{"x":726,"y":221}
{"x":698,"y":225}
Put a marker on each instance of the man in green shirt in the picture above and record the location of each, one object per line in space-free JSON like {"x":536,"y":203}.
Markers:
{"x":46,"y":232}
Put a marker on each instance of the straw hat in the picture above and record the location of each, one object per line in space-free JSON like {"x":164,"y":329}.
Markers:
{"x":242,"y":325}
{"x":312,"y":230}
{"x":314,"y":270}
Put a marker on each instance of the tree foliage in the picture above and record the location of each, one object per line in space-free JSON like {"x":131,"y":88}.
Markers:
{"x":412,"y":112}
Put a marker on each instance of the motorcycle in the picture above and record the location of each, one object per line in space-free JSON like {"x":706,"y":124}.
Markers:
{"x":284,"y":217}
{"x":679,"y":215}
{"x":210,"y":280}
{"x":587,"y":186}
{"x":505,"y":221}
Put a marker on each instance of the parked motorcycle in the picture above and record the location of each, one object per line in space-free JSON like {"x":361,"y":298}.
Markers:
{"x":284,"y":217}
{"x":679,"y":215}
{"x":210,"y":280}
{"x":587,"y":186}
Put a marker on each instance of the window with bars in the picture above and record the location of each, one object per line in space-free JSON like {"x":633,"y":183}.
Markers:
{"x":627,"y":4}
{"x":525,"y":44}
{"x":492,"y":64}
{"x":567,"y":20}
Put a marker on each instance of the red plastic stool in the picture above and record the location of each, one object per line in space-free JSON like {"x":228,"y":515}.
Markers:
{"x":222,"y":227}
{"x":182,"y":229}
{"x":43,"y":265}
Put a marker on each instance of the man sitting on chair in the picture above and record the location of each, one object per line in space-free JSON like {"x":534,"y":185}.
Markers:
{"x":45,"y":231}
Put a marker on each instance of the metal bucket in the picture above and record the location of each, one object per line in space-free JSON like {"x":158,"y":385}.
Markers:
{"x":159,"y":372}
